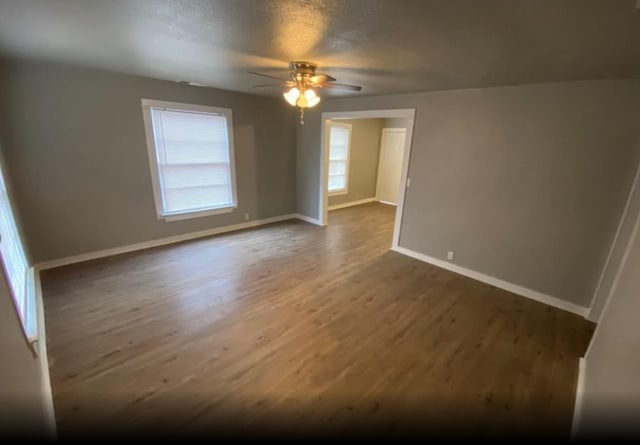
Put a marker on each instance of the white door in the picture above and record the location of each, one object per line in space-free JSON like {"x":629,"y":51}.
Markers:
{"x":390,"y":164}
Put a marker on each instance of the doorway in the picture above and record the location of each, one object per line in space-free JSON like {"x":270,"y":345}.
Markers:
{"x":390,"y":165}
{"x":340,"y":166}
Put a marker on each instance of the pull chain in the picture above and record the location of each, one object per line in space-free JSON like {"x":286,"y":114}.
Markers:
{"x":301,"y":116}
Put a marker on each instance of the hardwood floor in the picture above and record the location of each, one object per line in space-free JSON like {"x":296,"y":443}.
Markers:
{"x":297,"y":329}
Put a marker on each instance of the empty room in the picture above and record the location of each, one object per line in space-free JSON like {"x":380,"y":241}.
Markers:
{"x":334,"y":218}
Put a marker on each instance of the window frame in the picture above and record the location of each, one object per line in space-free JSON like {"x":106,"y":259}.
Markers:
{"x":147,"y":105}
{"x":28,"y":318}
{"x":345,"y":190}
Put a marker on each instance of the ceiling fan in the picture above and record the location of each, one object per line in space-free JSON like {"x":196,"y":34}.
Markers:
{"x":302,"y":85}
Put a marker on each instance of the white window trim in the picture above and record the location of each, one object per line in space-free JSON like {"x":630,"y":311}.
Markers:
{"x":345,"y":190}
{"x":31,"y":311}
{"x":147,"y":104}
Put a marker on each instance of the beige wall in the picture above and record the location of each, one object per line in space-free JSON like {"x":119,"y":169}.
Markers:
{"x":611,"y":392}
{"x":363,"y":168}
{"x":526,"y":184}
{"x":395,"y":122}
{"x":75,"y":146}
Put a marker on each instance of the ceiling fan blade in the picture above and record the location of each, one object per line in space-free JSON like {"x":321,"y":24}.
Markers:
{"x":269,"y":85}
{"x":320,"y":78}
{"x":268,"y":76}
{"x":340,"y":86}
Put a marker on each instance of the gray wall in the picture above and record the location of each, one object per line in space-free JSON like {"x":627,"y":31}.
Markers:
{"x":25,"y":392}
{"x":611,"y":397}
{"x":75,"y":146}
{"x":21,"y":374}
{"x":363,"y":164}
{"x":526,"y":184}
{"x":308,"y":162}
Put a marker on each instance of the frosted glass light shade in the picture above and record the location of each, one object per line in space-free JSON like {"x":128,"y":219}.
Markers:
{"x":292,"y":96}
{"x":307,"y":100}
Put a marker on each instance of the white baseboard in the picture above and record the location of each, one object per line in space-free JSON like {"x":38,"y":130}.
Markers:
{"x":388,"y":203}
{"x":520,"y":290}
{"x":308,"y":219}
{"x":577,"y":408}
{"x":351,"y":204}
{"x":158,"y":242}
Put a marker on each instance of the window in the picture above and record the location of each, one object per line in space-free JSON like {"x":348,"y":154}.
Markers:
{"x":191,"y":157}
{"x":15,"y":263}
{"x":339,"y":147}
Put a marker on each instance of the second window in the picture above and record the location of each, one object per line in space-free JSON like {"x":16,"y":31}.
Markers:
{"x":339,"y":148}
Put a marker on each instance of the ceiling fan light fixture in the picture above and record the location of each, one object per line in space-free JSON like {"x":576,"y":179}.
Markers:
{"x":302,"y":84}
{"x":306,"y":100}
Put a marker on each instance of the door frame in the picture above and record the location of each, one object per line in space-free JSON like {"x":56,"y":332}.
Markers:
{"x":403,"y":113}
{"x":388,"y":130}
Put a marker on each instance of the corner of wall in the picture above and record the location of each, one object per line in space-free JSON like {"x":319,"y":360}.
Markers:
{"x":50,"y":429}
{"x":621,"y":239}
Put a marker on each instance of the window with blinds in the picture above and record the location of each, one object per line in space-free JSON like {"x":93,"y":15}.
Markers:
{"x":339,"y":147}
{"x":191,"y":153}
{"x":14,"y":261}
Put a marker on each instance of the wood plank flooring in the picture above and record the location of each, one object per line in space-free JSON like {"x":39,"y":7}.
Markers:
{"x":293,"y":329}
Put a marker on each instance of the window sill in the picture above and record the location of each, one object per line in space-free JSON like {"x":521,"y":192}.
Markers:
{"x":189,"y":215}
{"x":30,"y":324}
{"x":339,"y":192}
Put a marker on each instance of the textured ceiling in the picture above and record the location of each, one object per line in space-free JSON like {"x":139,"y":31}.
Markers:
{"x":387,"y":46}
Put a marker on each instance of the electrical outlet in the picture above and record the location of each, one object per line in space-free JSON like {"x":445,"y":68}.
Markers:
{"x":246,"y":216}
{"x":450,"y":255}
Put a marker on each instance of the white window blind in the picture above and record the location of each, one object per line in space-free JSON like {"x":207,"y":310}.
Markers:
{"x":193,"y":157}
{"x":13,"y":257}
{"x":339,"y":142}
